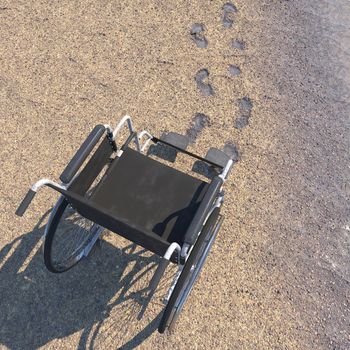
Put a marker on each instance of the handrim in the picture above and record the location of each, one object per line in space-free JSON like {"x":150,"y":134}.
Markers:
{"x":68,"y":237}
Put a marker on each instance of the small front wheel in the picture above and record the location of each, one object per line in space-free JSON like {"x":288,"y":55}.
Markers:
{"x":68,"y":237}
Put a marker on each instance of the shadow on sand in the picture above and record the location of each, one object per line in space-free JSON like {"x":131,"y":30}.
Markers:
{"x":103,"y":299}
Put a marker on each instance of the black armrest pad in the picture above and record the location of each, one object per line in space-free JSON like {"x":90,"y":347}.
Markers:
{"x":82,"y":153}
{"x":203,"y":210}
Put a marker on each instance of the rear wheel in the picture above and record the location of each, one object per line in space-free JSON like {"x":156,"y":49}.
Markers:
{"x":190,"y":271}
{"x":68,"y":238}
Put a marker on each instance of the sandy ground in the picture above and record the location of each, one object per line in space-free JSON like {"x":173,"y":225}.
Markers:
{"x":274,"y":85}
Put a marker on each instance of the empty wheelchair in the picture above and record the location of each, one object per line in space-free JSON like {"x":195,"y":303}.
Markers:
{"x":124,"y":190}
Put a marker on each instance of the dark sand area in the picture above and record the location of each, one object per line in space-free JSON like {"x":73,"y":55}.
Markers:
{"x":271,"y":81}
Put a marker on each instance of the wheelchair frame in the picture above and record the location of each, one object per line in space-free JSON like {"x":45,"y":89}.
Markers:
{"x":203,"y":228}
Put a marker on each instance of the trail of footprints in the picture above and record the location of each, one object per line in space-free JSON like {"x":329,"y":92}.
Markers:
{"x":244,"y":104}
{"x":200,"y":120}
{"x":197,"y":32}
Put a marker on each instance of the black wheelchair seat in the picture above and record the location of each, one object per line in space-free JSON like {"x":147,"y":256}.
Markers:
{"x":151,"y":195}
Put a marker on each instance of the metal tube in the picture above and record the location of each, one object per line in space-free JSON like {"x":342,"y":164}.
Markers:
{"x":127,"y":119}
{"x":226,"y":169}
{"x":173,"y":246}
{"x":44,"y":182}
{"x":149,"y":139}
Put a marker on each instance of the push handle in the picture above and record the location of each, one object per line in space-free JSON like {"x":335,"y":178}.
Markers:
{"x":82,"y":153}
{"x":25,"y":202}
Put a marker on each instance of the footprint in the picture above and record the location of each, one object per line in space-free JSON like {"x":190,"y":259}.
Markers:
{"x":205,"y":88}
{"x":199,"y":122}
{"x":245,"y":108}
{"x":241,"y":122}
{"x":245,"y":105}
{"x":231,"y":150}
{"x":208,"y":171}
{"x":229,"y":11}
{"x":238,"y":44}
{"x":198,"y":36}
{"x":234,"y":70}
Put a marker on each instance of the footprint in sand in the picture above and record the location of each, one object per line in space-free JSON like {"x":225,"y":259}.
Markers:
{"x":238,"y":44}
{"x":245,"y":108}
{"x":197,"y":34}
{"x":233,"y":70}
{"x":205,"y":88}
{"x":229,"y":11}
{"x":245,"y":105}
{"x":208,"y":171}
{"x":199,"y":122}
{"x":241,"y":122}
{"x":231,"y":150}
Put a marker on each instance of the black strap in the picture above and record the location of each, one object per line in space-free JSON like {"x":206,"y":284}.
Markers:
{"x":156,"y":140}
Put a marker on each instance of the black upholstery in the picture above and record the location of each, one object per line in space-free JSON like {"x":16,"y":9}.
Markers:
{"x":203,"y":210}
{"x":92,"y":169}
{"x":122,"y":226}
{"x":151,"y":195}
{"x":139,"y":198}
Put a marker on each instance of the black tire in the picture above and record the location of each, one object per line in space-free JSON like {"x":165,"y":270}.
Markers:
{"x":64,"y":247}
{"x":188,"y":275}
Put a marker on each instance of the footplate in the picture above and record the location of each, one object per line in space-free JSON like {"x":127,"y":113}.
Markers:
{"x":176,"y":140}
{"x":216,"y":156}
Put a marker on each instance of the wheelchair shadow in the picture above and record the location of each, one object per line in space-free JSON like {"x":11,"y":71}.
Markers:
{"x":167,"y":153}
{"x":102,"y":302}
{"x":163,"y":151}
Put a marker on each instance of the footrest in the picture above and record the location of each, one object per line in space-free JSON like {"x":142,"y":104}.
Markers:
{"x":217,"y":156}
{"x":176,"y":140}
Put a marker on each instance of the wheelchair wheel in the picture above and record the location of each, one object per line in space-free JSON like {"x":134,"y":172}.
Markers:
{"x":190,"y":271}
{"x":68,"y":237}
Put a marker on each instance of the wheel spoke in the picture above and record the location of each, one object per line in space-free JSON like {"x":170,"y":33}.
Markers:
{"x":69,"y":237}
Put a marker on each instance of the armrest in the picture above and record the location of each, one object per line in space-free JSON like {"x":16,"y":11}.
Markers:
{"x":82,"y":153}
{"x":203,"y":210}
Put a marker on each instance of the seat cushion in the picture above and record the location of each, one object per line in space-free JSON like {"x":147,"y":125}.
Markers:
{"x":143,"y":191}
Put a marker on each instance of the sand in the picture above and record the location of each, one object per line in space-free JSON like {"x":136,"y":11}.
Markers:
{"x":278,"y":276}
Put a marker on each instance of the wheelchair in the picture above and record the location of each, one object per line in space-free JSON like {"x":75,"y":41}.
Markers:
{"x":125,"y":190}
